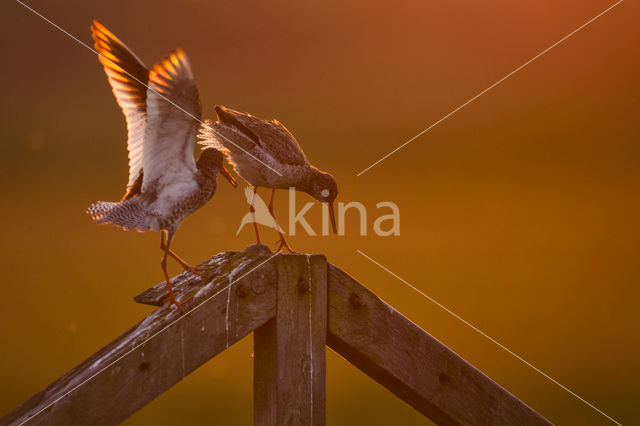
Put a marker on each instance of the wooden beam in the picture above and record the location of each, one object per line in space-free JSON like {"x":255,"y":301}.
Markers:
{"x":289,"y":366}
{"x":296,"y":304}
{"x":413,"y":365}
{"x":159,"y":351}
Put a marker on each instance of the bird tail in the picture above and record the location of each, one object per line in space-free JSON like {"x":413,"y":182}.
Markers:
{"x":128,"y":214}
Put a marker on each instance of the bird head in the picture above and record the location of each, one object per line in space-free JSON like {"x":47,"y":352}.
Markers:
{"x":323,"y":187}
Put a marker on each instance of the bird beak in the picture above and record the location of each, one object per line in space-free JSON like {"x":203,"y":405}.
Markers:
{"x":228,"y":176}
{"x":333,"y":218}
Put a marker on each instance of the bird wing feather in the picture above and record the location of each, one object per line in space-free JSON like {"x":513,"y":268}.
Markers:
{"x":272,"y":138}
{"x":128,"y":78}
{"x":288,"y":148}
{"x":173,"y":118}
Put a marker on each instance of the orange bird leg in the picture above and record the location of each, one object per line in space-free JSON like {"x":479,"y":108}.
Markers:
{"x":163,"y":264}
{"x":253,"y":215}
{"x":196,"y":270}
{"x":282,"y":242}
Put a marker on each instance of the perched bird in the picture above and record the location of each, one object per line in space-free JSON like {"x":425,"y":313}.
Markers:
{"x":265,"y":153}
{"x":163,"y":112}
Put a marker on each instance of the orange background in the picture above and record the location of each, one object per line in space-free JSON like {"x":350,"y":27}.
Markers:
{"x":519,"y":213}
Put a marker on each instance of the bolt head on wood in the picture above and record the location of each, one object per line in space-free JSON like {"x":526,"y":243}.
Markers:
{"x":303,"y":286}
{"x":242,"y":291}
{"x":356,"y":301}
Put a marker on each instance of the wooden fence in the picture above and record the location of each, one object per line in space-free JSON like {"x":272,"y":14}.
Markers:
{"x":295,"y":305}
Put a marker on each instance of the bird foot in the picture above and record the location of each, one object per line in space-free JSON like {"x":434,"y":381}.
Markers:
{"x":196,"y":270}
{"x":283,"y":243}
{"x":173,"y":301}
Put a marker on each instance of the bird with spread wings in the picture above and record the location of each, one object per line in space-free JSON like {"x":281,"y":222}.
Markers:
{"x":163,"y":114}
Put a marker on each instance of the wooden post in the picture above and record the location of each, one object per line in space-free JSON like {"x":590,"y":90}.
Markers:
{"x":289,"y":350}
{"x":294,"y":304}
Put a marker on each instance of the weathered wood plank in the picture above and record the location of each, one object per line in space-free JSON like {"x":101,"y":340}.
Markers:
{"x":289,"y":372}
{"x":413,"y":365}
{"x":289,"y":350}
{"x":185,"y":284}
{"x":159,"y":351}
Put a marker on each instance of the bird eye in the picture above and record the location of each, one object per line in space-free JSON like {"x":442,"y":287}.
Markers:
{"x":324,"y":193}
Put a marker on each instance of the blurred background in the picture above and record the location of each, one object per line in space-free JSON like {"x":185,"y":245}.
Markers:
{"x":519,"y":213}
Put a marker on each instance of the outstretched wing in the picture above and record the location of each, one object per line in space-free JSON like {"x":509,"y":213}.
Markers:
{"x":128,"y":78}
{"x":173,"y":118}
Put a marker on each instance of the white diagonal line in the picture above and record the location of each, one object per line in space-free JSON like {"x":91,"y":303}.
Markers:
{"x":476,"y":329}
{"x":149,"y":88}
{"x":490,"y":87}
{"x":180,"y":318}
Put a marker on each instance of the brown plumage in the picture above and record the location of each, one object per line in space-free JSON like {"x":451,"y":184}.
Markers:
{"x":165,"y":182}
{"x":265,"y":153}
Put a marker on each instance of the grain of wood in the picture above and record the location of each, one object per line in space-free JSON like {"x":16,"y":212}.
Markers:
{"x":412,"y":364}
{"x":289,"y":350}
{"x":136,"y":367}
{"x":295,"y":304}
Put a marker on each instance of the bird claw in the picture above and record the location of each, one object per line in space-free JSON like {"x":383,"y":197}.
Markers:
{"x":283,"y":243}
{"x":196,"y":270}
{"x":173,"y":301}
